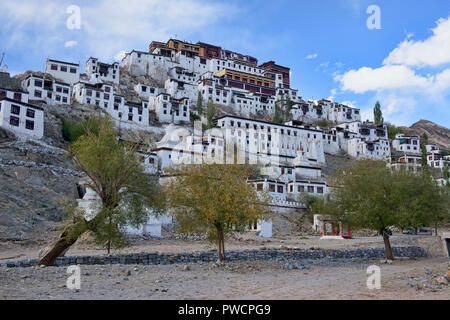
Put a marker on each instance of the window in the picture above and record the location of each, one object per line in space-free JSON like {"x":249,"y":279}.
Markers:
{"x":280,"y":189}
{"x":66,"y":90}
{"x":30,"y":113}
{"x":17,"y":96}
{"x":310,"y":189}
{"x":54,"y":67}
{"x":29,"y":124}
{"x":300,"y":188}
{"x":130,"y":117}
{"x":320,"y":190}
{"x":14,"y":121}
{"x":73,"y":70}
{"x":15,"y":109}
{"x":272,"y":188}
{"x":63,"y":68}
{"x":38,"y":83}
{"x":49,"y":94}
{"x":37,"y":93}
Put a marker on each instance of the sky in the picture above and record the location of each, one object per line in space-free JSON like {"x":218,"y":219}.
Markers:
{"x":404,"y":62}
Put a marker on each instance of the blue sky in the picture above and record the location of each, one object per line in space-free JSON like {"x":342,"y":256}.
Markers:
{"x":326,"y":43}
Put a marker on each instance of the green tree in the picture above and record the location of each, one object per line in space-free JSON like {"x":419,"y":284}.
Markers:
{"x":278,"y":112}
{"x":126,"y":193}
{"x":423,"y":147}
{"x":200,"y":103}
{"x":210,"y":113}
{"x":72,"y":130}
{"x":393,"y":130}
{"x":372,"y":196}
{"x":287,"y":108}
{"x":378,"y":114}
{"x":215,"y":200}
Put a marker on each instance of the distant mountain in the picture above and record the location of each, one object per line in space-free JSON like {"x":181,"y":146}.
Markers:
{"x":437,"y":134}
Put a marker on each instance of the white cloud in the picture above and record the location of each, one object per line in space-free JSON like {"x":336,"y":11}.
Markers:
{"x":70,"y":44}
{"x":311,"y":56}
{"x":401,"y":84}
{"x":387,"y":77}
{"x":433,"y":51}
{"x":107,"y":25}
{"x":120,"y":55}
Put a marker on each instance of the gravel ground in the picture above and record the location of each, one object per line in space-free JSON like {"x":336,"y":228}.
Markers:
{"x":325,"y":279}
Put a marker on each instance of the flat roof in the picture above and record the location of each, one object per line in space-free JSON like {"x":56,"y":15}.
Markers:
{"x":267,"y":122}
{"x":22,"y":103}
{"x":70,"y":63}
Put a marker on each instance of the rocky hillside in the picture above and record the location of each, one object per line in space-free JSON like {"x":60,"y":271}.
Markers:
{"x":436,"y":134}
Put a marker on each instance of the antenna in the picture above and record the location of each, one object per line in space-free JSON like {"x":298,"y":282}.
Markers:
{"x":1,"y":60}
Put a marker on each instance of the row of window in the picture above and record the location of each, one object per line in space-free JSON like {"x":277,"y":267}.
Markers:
{"x":14,"y":121}
{"x":54,"y":67}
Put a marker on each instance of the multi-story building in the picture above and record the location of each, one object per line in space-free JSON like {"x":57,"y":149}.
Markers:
{"x":23,"y":119}
{"x":102,"y":72}
{"x":169,"y":109}
{"x":15,"y":94}
{"x":404,"y":143}
{"x":66,"y":71}
{"x":410,"y":161}
{"x":48,"y":90}
{"x":267,"y":142}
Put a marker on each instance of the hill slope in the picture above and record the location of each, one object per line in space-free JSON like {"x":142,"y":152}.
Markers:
{"x":436,"y":134}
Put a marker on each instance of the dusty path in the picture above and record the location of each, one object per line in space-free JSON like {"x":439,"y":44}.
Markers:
{"x":411,"y":279}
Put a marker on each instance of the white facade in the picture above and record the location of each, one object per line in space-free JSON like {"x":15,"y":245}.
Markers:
{"x":268,"y":142}
{"x":410,"y":144}
{"x":362,"y":149}
{"x":66,"y":71}
{"x":47,"y":90}
{"x":25,"y":120}
{"x":170,"y":110}
{"x":18,"y":95}
{"x":127,"y":115}
{"x":102,"y":72}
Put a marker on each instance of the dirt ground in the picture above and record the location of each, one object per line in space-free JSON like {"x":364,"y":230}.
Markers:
{"x":411,"y":280}
{"x":321,"y":279}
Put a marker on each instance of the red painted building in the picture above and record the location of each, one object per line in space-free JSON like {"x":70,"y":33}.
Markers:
{"x":272,"y":66}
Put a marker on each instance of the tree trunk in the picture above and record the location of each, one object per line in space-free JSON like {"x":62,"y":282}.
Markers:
{"x":57,"y":250}
{"x":221,"y":242}
{"x":387,"y":245}
{"x":62,"y":245}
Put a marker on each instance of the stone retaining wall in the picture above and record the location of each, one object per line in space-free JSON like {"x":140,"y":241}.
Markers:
{"x":244,"y":255}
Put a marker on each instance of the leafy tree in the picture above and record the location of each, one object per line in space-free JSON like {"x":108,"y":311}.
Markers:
{"x":210,"y":113}
{"x":125,"y":192}
{"x":423,"y":144}
{"x":215,"y":200}
{"x":393,"y":130}
{"x":378,"y":114}
{"x":278,"y":113}
{"x":312,"y":204}
{"x":200,"y":103}
{"x":72,"y":130}
{"x":287,"y":108}
{"x":370,"y":195}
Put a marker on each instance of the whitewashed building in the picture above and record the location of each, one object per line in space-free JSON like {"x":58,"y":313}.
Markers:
{"x":102,"y":72}
{"x":66,"y":71}
{"x":48,"y":90}
{"x":24,"y":119}
{"x":169,"y":109}
{"x":15,"y":94}
{"x":404,"y":143}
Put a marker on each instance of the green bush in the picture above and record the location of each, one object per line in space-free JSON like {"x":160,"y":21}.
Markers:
{"x":72,"y":130}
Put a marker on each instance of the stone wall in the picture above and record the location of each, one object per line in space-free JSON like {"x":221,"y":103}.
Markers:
{"x":232,"y":256}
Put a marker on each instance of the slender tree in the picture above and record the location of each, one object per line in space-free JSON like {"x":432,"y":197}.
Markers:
{"x":423,"y":147}
{"x":378,"y":114}
{"x":125,"y":192}
{"x":200,"y":103}
{"x":210,"y":113}
{"x":215,"y":200}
